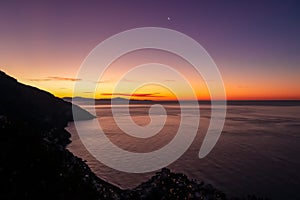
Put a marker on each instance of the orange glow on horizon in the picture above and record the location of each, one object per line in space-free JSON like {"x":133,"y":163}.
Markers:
{"x":251,"y":86}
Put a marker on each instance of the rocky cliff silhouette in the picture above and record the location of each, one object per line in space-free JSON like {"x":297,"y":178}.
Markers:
{"x":34,"y":163}
{"x":35,"y":105}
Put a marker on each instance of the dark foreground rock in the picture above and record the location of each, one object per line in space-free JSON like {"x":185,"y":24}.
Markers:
{"x":34,"y":163}
{"x":167,"y":185}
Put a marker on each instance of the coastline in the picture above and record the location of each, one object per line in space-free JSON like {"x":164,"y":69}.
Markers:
{"x":37,"y":165}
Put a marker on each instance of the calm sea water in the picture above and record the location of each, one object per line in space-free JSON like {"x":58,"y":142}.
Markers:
{"x":257,"y":153}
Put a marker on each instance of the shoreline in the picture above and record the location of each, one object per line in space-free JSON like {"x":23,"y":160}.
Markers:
{"x":35,"y":163}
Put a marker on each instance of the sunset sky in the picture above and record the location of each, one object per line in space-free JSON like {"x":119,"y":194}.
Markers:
{"x":255,"y":44}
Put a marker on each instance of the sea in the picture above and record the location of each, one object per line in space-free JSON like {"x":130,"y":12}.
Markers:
{"x":257,"y":152}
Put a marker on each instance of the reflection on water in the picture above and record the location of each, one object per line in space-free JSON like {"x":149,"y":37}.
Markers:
{"x":257,"y":153}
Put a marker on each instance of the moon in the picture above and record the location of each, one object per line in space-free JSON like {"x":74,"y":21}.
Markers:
{"x":169,"y":18}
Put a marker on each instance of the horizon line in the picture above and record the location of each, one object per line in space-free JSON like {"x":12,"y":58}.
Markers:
{"x":173,"y":100}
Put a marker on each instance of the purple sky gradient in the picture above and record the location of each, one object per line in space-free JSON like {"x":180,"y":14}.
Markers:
{"x":245,"y":38}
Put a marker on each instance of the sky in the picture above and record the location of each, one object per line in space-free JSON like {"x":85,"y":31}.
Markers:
{"x":255,"y":45}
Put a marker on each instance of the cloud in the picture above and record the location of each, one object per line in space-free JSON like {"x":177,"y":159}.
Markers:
{"x":169,"y":80}
{"x":110,"y":81}
{"x":55,"y":78}
{"x":40,"y":79}
{"x":134,"y":94}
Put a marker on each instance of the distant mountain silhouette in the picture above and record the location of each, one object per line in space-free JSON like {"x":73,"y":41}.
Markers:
{"x":106,"y":99}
